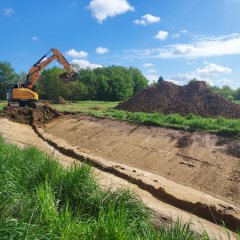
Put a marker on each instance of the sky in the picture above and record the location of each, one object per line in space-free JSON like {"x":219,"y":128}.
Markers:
{"x":176,"y":39}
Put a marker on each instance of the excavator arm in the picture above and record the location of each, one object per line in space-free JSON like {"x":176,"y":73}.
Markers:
{"x":35,"y":70}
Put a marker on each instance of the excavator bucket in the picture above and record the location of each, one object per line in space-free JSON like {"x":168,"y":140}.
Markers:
{"x":66,"y":77}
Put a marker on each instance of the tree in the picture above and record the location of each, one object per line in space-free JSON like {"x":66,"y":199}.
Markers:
{"x":8,"y":77}
{"x":160,"y":79}
{"x":113,"y":83}
{"x":237,"y":95}
{"x":76,"y":91}
{"x":193,"y":80}
{"x":50,"y":86}
{"x":227,"y":92}
{"x":22,"y":77}
{"x":140,"y":82}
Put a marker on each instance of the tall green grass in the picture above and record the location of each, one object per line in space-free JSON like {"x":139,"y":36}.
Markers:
{"x":220,"y":125}
{"x":39,"y":199}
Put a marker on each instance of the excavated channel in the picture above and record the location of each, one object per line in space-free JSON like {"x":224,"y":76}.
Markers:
{"x":200,"y":204}
{"x":216,"y":211}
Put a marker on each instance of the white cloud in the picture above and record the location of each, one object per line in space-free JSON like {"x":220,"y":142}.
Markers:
{"x":152,"y":78}
{"x":213,"y":69}
{"x":8,"y":11}
{"x":215,"y":46}
{"x":75,"y":54}
{"x":147,"y":64}
{"x":201,"y":48}
{"x":151,"y":70}
{"x":162,"y":35}
{"x":147,"y":19}
{"x":84,"y":64}
{"x":184,"y":31}
{"x":208,"y":74}
{"x":102,"y":9}
{"x":101,"y":50}
{"x":34,"y":38}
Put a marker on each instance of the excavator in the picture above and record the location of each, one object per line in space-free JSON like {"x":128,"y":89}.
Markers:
{"x":25,"y":94}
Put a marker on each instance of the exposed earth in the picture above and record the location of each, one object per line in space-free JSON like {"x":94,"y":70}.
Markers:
{"x":40,"y":115}
{"x":167,"y":97}
{"x":200,"y":160}
{"x":196,"y":172}
{"x":162,"y":213}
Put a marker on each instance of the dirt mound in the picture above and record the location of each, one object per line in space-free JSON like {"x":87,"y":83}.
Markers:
{"x":60,"y":100}
{"x":27,"y":115}
{"x":167,"y":98}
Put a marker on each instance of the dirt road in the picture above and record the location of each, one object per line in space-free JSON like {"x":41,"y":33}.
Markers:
{"x":203,"y":161}
{"x":164,"y":213}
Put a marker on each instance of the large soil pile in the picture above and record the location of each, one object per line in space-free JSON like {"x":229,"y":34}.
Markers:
{"x":27,"y":115}
{"x":167,"y":98}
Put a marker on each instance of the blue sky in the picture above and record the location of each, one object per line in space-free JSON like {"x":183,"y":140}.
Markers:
{"x":177,"y":39}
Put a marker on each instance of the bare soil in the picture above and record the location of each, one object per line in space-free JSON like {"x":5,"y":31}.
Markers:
{"x":203,"y":161}
{"x":169,"y":98}
{"x":162,"y":212}
{"x":28,"y":115}
{"x":60,"y":100}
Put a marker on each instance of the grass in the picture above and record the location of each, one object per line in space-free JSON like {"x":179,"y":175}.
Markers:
{"x":2,"y":105}
{"x":223,"y":126}
{"x":39,"y":199}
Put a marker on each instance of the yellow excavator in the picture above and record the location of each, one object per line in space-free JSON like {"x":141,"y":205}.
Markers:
{"x":25,"y":94}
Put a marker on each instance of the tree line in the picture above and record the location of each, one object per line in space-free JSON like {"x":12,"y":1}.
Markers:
{"x":227,"y":92}
{"x":113,"y":83}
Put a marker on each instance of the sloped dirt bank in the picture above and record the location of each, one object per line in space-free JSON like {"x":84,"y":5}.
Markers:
{"x":168,"y":98}
{"x":162,"y":213}
{"x":199,"y":160}
{"x":149,"y":157}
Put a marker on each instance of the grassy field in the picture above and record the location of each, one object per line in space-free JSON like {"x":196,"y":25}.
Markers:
{"x":191,"y":122}
{"x":39,"y":199}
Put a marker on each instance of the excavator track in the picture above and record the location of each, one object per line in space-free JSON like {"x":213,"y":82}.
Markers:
{"x":13,"y":104}
{"x":35,"y":105}
{"x":27,"y":104}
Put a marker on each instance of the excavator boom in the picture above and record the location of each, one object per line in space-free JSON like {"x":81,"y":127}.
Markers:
{"x":43,"y":62}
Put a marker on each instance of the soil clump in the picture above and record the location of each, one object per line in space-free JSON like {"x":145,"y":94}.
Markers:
{"x":27,"y":115}
{"x":169,"y":98}
{"x":60,"y":100}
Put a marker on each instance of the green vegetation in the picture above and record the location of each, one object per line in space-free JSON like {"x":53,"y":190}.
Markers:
{"x":112,"y":83}
{"x":227,"y":92}
{"x":86,"y":106}
{"x":2,"y":105}
{"x":39,"y":199}
{"x":7,"y":76}
{"x":191,"y":122}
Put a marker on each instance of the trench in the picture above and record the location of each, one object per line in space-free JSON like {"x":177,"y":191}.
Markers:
{"x":217,"y":214}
